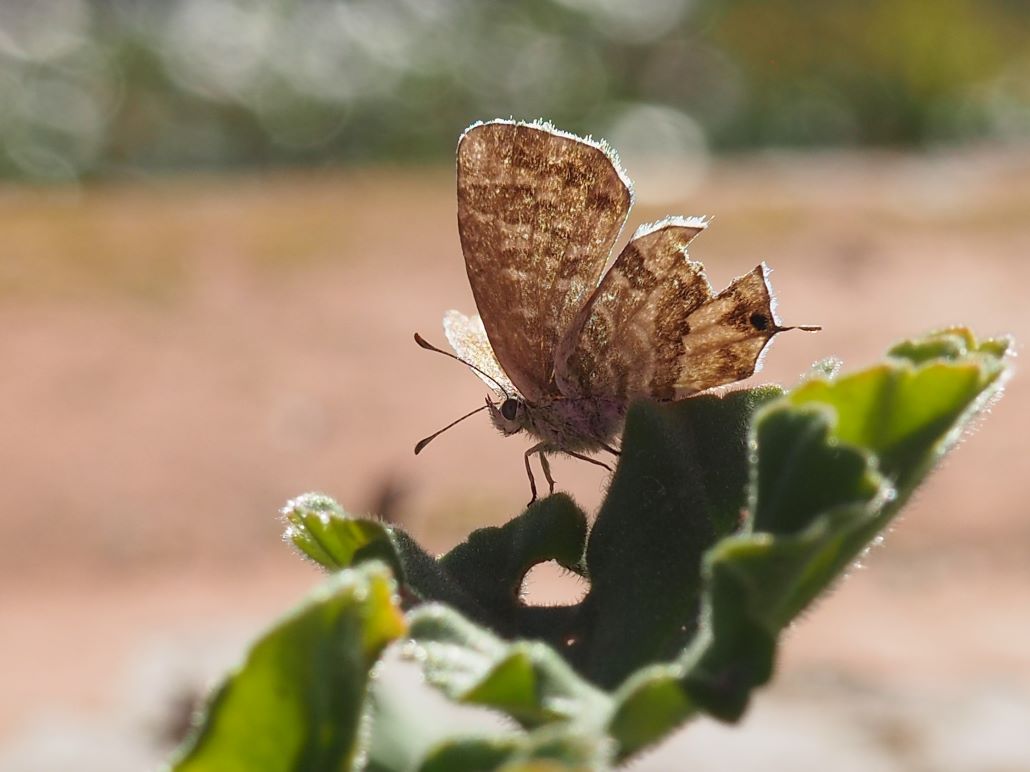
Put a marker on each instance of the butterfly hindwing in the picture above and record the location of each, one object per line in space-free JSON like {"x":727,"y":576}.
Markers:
{"x":538,"y":214}
{"x":625,"y":340}
{"x":726,"y":336}
{"x":655,"y":328}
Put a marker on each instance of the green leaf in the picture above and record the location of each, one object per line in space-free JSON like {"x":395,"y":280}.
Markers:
{"x":322,"y":531}
{"x":833,"y":462}
{"x":551,"y":749}
{"x":470,"y":754}
{"x":951,"y":343}
{"x":755,"y":584}
{"x":801,"y":471}
{"x":726,"y":518}
{"x":527,"y":680}
{"x":481,"y":577}
{"x":492,"y":563}
{"x":681,"y":484}
{"x":910,"y":410}
{"x":648,"y":706}
{"x":298,"y":700}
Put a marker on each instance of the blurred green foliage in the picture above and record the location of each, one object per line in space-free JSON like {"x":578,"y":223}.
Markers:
{"x":115,"y":87}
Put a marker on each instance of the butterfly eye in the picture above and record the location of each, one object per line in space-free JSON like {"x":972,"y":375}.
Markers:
{"x":509,"y":408}
{"x":759,"y":321}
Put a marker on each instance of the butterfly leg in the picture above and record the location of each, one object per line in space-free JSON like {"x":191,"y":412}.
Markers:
{"x":588,"y":459}
{"x":546,"y":466}
{"x":539,"y":449}
{"x":529,"y":472}
{"x":611,"y":450}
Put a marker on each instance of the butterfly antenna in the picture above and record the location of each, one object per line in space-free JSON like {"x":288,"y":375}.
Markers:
{"x":430,"y":347}
{"x":805,"y":327}
{"x":434,"y":435}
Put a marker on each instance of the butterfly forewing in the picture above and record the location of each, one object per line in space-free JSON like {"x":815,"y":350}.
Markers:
{"x":468,"y":339}
{"x":627,"y":340}
{"x":538,"y":213}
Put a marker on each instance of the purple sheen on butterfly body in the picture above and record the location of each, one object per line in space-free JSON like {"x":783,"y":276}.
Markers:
{"x":575,"y":425}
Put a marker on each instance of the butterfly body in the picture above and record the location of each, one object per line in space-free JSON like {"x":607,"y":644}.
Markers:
{"x":579,"y":425}
{"x":565,"y":345}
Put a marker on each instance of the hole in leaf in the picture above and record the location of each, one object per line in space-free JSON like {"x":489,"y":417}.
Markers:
{"x":548,"y":584}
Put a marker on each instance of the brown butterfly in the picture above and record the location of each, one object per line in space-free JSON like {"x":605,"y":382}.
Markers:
{"x":565,"y":350}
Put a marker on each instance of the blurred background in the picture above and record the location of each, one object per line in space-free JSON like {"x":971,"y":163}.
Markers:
{"x":221,"y":221}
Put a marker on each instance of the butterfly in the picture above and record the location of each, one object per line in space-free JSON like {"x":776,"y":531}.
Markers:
{"x":564,"y":345}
